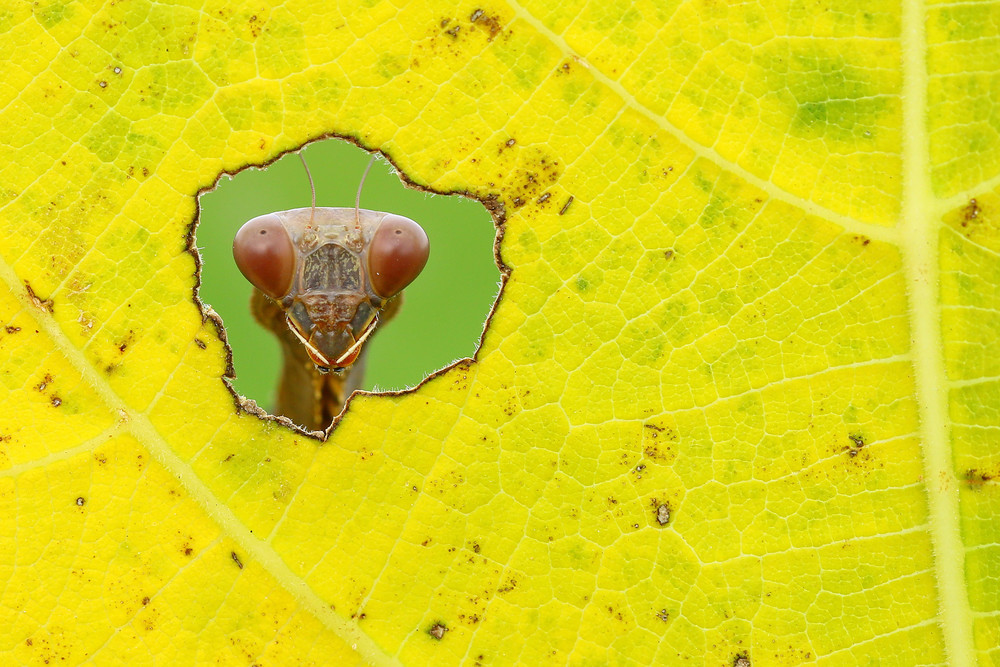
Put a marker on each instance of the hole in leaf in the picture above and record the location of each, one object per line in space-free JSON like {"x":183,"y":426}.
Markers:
{"x":443,"y":311}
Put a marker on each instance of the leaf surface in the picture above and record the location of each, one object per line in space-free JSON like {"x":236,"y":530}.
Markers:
{"x":739,"y":396}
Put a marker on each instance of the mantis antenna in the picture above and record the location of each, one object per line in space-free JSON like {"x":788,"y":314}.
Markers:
{"x":357,"y":199}
{"x":312,"y":187}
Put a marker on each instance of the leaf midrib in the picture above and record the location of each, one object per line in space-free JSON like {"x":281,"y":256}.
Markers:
{"x":919,"y":226}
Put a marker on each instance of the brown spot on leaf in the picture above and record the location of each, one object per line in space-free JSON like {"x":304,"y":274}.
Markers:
{"x":12,"y":330}
{"x":145,"y":601}
{"x":858,"y":441}
{"x":741,"y":660}
{"x":663,"y":514}
{"x":125,"y":342}
{"x":486,"y":21}
{"x":508,"y":587}
{"x":44,"y":383}
{"x":41,"y":304}
{"x":56,"y":401}
{"x":975,"y":479}
{"x":971,"y":212}
{"x":437,"y":630}
{"x":81,"y":501}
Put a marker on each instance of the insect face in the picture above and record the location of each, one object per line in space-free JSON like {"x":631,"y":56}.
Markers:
{"x":331,"y":270}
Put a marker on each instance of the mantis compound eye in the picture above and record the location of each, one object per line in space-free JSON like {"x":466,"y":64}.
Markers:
{"x":397,"y":254}
{"x":265,"y":256}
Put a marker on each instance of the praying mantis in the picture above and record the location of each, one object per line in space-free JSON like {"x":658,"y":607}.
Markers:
{"x":325,"y":278}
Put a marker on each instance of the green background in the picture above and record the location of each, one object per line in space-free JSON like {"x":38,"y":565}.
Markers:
{"x":443,"y":310}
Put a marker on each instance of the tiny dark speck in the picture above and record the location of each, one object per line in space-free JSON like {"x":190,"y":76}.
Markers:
{"x":145,"y":601}
{"x":81,"y":501}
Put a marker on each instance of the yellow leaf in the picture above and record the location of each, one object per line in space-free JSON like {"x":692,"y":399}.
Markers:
{"x":739,"y":397}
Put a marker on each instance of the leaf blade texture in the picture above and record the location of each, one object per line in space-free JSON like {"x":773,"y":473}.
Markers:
{"x":738,"y":397}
